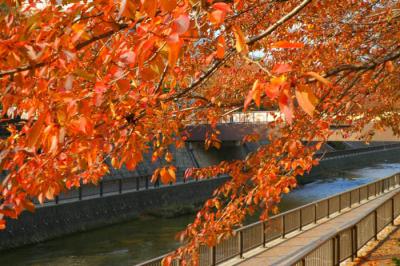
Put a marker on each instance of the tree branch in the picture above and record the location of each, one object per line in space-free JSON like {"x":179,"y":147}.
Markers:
{"x":389,"y":57}
{"x":251,"y":41}
{"x":77,"y":47}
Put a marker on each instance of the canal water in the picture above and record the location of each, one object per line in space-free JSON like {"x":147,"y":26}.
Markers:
{"x":148,"y":237}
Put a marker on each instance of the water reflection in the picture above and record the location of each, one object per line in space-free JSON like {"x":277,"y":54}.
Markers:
{"x":342,"y":181}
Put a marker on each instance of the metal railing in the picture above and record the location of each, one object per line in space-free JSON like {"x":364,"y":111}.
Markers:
{"x":251,"y":117}
{"x":261,"y":233}
{"x":344,"y":153}
{"x":115,"y":186}
{"x":349,"y":241}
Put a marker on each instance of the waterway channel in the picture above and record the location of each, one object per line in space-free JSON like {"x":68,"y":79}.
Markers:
{"x":148,"y":237}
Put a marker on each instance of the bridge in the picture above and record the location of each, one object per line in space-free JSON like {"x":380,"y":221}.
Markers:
{"x":325,"y":232}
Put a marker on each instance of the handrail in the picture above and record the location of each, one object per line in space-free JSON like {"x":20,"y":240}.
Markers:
{"x":328,"y":155}
{"x":139,"y":183}
{"x":336,"y":258}
{"x":235,"y":245}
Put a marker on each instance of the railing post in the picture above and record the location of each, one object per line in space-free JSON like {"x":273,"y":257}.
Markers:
{"x":80,"y":192}
{"x":354,"y":239}
{"x":137,"y":183}
{"x":213,"y":256}
{"x":120,"y":185}
{"x":147,"y":182}
{"x":283,"y":226}
{"x":340,"y":203}
{"x":392,"y":200}
{"x":334,"y":250}
{"x":376,"y":190}
{"x":351,"y":198}
{"x":367,"y":192}
{"x":359,"y":195}
{"x":300,"y":220}
{"x":376,"y":225}
{"x":101,"y":188}
{"x":329,"y":208}
{"x":303,"y":262}
{"x":264,"y":239}
{"x":315,"y":214}
{"x":338,"y":249}
{"x":352,"y":243}
{"x":241,"y":244}
{"x":56,"y":199}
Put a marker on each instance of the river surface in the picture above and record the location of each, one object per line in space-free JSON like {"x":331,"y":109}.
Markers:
{"x":148,"y":237}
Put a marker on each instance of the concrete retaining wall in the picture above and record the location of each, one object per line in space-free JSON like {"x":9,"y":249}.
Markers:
{"x":339,"y":163}
{"x":54,"y":221}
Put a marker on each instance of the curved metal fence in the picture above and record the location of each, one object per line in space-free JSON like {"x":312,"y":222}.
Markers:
{"x":349,"y":241}
{"x":343,"y":246}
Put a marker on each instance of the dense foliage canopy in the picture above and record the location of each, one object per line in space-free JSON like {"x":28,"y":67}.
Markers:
{"x":107,"y":80}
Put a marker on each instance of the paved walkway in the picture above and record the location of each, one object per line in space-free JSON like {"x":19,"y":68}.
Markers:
{"x":289,"y":251}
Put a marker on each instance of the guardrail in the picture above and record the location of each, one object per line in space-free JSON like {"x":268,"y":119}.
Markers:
{"x":251,"y":117}
{"x":114,"y":187}
{"x":349,"y":241}
{"x":261,"y":233}
{"x":131,"y":184}
{"x":344,"y":153}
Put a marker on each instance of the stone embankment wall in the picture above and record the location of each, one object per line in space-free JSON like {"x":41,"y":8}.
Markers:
{"x":358,"y":157}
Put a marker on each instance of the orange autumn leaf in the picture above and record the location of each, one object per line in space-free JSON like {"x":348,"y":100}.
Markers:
{"x":389,"y":66}
{"x":240,"y":44}
{"x":35,"y":131}
{"x":286,"y":106}
{"x":150,"y":7}
{"x":221,"y":46}
{"x":171,"y":172}
{"x":248,"y":100}
{"x":2,"y":224}
{"x":222,"y":6}
{"x":306,"y":99}
{"x":174,"y":47}
{"x":273,"y":88}
{"x":257,"y":93}
{"x":165,"y":176}
{"x":28,"y":205}
{"x":254,"y":94}
{"x":167,"y":5}
{"x":217,"y":17}
{"x":181,"y":24}
{"x":281,"y":68}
